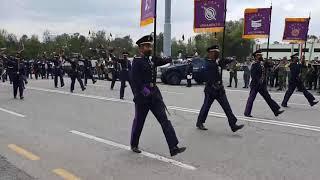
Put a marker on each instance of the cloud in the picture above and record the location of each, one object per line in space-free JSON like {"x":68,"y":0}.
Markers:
{"x":121,"y":17}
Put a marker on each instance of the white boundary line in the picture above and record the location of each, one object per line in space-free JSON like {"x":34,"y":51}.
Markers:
{"x":144,"y":153}
{"x":12,"y":113}
{"x":104,"y":86}
{"x":256,"y":120}
{"x":215,"y":114}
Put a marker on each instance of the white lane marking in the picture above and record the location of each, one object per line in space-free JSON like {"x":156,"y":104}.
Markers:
{"x":169,"y":92}
{"x":257,"y":120}
{"x":279,"y":102}
{"x":125,"y":147}
{"x":96,"y":85}
{"x":12,"y":113}
{"x":274,"y":93}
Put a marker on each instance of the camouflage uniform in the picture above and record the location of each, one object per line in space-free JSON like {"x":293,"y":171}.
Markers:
{"x":233,"y":74}
{"x":282,"y":76}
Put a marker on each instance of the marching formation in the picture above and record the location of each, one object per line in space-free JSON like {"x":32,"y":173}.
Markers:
{"x":140,"y":73}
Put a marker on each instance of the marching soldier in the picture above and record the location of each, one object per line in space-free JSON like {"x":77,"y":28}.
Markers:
{"x":49,"y":69}
{"x":18,"y":75}
{"x":36,"y":69}
{"x":246,"y":73}
{"x":233,"y":73}
{"x":125,"y":66}
{"x":57,"y":70}
{"x":214,"y":90}
{"x":43,"y":69}
{"x":259,"y":85}
{"x":296,"y":82}
{"x":28,"y":69}
{"x":282,"y":74}
{"x":75,"y":73}
{"x":147,"y":96}
{"x":114,"y":65}
{"x":87,"y":71}
{"x":189,"y":71}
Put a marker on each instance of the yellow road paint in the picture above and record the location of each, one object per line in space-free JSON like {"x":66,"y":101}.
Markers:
{"x":65,"y":174}
{"x":23,"y":152}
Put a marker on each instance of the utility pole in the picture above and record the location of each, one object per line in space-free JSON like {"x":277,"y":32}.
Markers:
{"x":167,"y":29}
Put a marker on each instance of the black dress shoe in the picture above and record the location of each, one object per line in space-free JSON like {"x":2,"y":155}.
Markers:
{"x":201,"y":127}
{"x":136,"y":150}
{"x":314,"y":103}
{"x":62,"y":85}
{"x":84,"y":89}
{"x":176,"y":150}
{"x":15,"y":97}
{"x":236,"y":128}
{"x":94,"y":82}
{"x":248,"y":115}
{"x":278,"y":113}
{"x":228,"y":86}
{"x":121,"y":98}
{"x":21,"y":97}
{"x":284,"y":105}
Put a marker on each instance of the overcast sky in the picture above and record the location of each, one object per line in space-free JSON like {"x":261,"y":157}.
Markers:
{"x":121,"y":17}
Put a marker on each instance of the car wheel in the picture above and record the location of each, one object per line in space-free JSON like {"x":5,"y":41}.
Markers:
{"x":164,"y":80}
{"x":174,"y":79}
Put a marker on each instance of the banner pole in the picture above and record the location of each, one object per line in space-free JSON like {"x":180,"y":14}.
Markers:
{"x":224,"y":30}
{"x":224,"y":36}
{"x":155,"y":29}
{"x":268,"y":46}
{"x":154,"y":69}
{"x":305,"y":44}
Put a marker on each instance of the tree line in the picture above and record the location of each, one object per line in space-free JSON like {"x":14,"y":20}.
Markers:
{"x":79,"y":43}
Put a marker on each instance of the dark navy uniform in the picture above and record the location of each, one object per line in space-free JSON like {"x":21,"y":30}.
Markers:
{"x":43,"y":69}
{"x":214,"y":90}
{"x":58,"y":71}
{"x":296,"y":82}
{"x":28,"y":69}
{"x":49,"y":69}
{"x":147,"y":97}
{"x":189,"y":71}
{"x":18,"y":76}
{"x":125,"y":67}
{"x":259,"y":85}
{"x":75,"y":74}
{"x":36,"y":68}
{"x":87,"y":71}
{"x":114,"y":70}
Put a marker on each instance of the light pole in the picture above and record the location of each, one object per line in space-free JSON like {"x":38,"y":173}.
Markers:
{"x":167,"y":29}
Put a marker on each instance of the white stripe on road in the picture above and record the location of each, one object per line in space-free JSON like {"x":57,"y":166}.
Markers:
{"x":272,"y":93}
{"x":144,"y":153}
{"x":169,"y":92}
{"x":12,"y":113}
{"x":279,"y":102}
{"x":215,"y":114}
{"x":256,"y":120}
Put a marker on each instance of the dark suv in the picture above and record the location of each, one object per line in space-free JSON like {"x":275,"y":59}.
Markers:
{"x":173,"y":74}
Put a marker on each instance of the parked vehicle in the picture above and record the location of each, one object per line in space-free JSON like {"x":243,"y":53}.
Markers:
{"x":175,"y":73}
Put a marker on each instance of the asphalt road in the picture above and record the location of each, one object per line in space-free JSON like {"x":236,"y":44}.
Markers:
{"x":54,"y":134}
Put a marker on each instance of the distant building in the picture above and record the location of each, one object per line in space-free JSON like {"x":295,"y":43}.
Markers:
{"x":278,"y":51}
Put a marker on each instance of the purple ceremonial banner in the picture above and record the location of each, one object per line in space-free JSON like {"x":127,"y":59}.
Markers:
{"x":257,"y":23}
{"x":209,"y":15}
{"x":296,"y":30}
{"x":148,"y":12}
